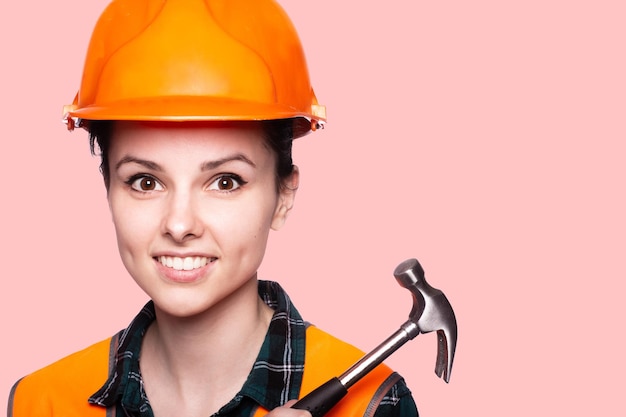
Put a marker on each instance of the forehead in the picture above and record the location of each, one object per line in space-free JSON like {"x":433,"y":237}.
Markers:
{"x":173,"y":138}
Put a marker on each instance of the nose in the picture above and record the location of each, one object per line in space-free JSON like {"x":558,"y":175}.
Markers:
{"x":181,"y":222}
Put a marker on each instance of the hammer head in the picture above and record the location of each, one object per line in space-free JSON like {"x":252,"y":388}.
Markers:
{"x":431,"y":312}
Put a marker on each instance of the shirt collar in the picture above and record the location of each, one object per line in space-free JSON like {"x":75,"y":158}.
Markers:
{"x":275,"y":378}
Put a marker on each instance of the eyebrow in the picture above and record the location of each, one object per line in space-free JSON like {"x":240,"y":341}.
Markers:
{"x":209,"y":165}
{"x":206,"y":166}
{"x":131,"y":159}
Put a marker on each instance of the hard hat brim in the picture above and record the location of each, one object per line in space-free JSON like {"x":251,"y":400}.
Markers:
{"x":192,"y":108}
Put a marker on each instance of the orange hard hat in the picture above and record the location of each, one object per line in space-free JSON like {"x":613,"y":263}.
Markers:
{"x":186,"y":60}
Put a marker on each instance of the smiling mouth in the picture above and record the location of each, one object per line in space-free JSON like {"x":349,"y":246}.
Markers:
{"x":184,"y":264}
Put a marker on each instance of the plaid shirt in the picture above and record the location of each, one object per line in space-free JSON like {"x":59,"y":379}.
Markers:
{"x":275,"y":377}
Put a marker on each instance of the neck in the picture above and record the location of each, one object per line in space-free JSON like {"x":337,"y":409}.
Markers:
{"x":213,"y":351}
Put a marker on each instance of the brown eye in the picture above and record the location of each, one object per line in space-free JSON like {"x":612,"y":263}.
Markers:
{"x":145,"y":184}
{"x":227,"y":183}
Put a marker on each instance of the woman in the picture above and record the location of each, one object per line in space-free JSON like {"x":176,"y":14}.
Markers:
{"x":193,"y":105}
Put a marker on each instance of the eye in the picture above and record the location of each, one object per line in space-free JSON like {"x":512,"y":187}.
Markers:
{"x":228,"y":182}
{"x":144,"y":183}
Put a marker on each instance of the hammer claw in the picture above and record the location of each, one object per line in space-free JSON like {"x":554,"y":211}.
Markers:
{"x":446,"y":338}
{"x":444,"y":356}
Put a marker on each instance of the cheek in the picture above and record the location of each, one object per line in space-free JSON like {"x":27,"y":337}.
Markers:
{"x":133,"y":227}
{"x":239,"y":224}
{"x":245,"y":223}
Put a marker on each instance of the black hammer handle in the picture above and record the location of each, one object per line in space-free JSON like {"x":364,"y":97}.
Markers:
{"x":322,"y":398}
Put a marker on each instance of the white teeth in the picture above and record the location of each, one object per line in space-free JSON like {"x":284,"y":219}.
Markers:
{"x":187,"y":264}
{"x":199,"y":262}
{"x":178,"y":264}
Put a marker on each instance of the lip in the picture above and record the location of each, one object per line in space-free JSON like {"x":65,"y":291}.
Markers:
{"x":184,"y":275}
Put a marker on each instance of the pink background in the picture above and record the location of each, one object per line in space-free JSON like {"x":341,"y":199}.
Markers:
{"x":485,"y":138}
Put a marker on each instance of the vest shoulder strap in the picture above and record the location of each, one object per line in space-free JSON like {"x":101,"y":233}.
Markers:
{"x":327,"y":357}
{"x":54,"y":391}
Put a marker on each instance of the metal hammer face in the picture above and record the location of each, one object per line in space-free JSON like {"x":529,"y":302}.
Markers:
{"x":431,"y":312}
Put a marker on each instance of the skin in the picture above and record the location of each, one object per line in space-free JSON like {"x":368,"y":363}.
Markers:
{"x":206,"y":192}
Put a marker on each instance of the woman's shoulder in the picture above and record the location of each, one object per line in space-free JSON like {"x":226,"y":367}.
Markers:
{"x":77,"y":375}
{"x":87,"y":362}
{"x":382,"y":390}
{"x":336,"y":353}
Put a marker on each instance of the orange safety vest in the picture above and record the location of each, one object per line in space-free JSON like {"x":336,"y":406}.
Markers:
{"x":62,"y":388}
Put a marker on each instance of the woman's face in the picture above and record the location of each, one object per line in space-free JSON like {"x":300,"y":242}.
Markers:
{"x":192,"y":207}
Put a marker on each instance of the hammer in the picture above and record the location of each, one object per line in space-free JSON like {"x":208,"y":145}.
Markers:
{"x":431,"y":312}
